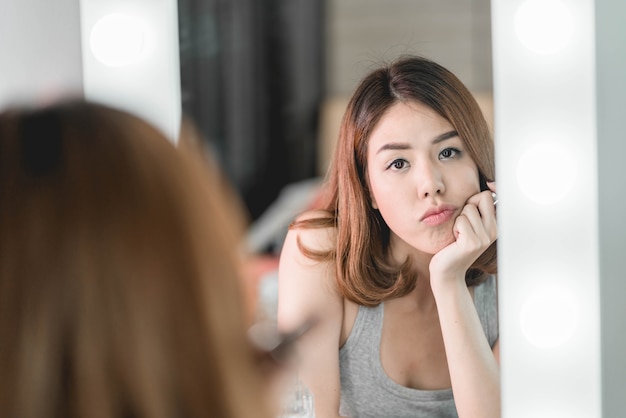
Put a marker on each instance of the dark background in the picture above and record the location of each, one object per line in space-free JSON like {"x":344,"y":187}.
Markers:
{"x":252,"y":82}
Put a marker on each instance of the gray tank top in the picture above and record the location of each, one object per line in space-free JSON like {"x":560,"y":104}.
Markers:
{"x":366,"y":390}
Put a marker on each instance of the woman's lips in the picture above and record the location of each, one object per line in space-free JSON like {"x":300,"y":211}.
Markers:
{"x":438,"y":217}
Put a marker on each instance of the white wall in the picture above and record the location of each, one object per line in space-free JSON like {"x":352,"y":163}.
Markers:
{"x":361,"y":33}
{"x":40,"y":52}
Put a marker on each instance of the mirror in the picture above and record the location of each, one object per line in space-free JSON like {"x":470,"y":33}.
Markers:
{"x":267,"y":81}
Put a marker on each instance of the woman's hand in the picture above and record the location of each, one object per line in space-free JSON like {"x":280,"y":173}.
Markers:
{"x":475,"y":229}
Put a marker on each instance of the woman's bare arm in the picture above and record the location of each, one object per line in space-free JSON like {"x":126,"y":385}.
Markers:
{"x":474,"y":370}
{"x":307,"y":291}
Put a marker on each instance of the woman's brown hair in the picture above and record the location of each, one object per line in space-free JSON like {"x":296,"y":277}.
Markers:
{"x":364,"y":273}
{"x":119,"y":289}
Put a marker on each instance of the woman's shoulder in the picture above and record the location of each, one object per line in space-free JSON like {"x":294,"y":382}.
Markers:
{"x":314,"y":230}
{"x":306,"y":283}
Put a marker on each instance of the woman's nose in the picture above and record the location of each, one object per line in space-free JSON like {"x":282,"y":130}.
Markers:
{"x":429,"y":181}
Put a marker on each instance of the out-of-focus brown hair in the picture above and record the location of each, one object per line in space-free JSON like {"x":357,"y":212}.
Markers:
{"x":119,"y":289}
{"x":364,"y":273}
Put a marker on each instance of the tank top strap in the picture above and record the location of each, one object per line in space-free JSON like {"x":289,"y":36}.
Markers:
{"x":367,"y":328}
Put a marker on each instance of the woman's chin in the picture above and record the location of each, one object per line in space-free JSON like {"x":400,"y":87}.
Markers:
{"x":443,"y":243}
{"x":430,"y":246}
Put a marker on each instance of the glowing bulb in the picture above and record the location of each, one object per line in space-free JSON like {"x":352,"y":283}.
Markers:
{"x":544,"y":26}
{"x":550,"y":317}
{"x":117,"y":40}
{"x":546,"y":173}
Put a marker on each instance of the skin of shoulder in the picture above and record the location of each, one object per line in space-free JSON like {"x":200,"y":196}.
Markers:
{"x":307,"y":291}
{"x":306,"y":286}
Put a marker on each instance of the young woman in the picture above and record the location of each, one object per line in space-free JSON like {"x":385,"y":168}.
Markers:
{"x":120,"y":293}
{"x":397,"y":270}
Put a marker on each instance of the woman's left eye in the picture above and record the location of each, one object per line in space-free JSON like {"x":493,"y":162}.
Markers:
{"x":449,"y":153}
{"x":398,"y":164}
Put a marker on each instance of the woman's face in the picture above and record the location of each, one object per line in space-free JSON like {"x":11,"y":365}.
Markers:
{"x":420,"y":176}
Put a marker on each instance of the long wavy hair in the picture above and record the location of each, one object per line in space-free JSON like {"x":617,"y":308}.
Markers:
{"x":364,"y":272}
{"x":120,"y":293}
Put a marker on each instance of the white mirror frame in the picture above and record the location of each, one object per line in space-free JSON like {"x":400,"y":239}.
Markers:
{"x":145,"y":80}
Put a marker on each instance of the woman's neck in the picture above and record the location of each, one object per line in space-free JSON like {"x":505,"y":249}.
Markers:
{"x":399,"y":251}
{"x":421,"y":297}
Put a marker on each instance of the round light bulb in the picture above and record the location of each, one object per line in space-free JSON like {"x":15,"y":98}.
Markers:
{"x":117,"y":40}
{"x":544,"y":26}
{"x":549,"y":317}
{"x":546,"y":173}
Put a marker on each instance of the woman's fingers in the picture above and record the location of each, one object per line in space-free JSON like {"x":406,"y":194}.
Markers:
{"x":484,"y":201}
{"x":478,"y":226}
{"x":492,"y":187}
{"x":480,"y":215}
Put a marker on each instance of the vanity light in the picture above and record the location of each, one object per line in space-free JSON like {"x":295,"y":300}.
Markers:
{"x":550,"y":316}
{"x":117,"y":40}
{"x":131,"y":58}
{"x":544,"y":26}
{"x":547,"y":172}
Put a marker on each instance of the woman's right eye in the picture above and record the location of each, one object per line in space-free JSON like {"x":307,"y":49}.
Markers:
{"x":398,"y":164}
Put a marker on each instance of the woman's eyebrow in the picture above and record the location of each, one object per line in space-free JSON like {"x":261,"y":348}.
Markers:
{"x":404,"y":146}
{"x":394,"y":146}
{"x":445,"y":136}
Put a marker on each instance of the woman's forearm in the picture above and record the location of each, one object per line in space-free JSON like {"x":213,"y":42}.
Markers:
{"x":474,"y":370}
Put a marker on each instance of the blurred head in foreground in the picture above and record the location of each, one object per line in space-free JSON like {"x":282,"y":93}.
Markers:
{"x":119,"y":289}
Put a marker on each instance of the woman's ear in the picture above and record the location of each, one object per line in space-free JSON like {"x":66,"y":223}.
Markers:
{"x":373,"y":202}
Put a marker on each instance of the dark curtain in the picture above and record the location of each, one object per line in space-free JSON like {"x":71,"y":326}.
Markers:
{"x":251,"y":78}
